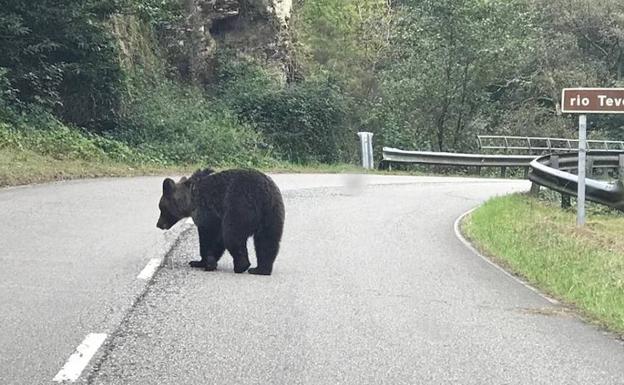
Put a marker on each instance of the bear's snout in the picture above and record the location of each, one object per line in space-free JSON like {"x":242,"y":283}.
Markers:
{"x":161,"y":224}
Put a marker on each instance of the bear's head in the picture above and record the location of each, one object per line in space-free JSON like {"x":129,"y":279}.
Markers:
{"x":175,"y":203}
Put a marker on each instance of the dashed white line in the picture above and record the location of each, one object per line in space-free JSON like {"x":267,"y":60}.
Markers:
{"x":149,"y":270}
{"x":80,"y":358}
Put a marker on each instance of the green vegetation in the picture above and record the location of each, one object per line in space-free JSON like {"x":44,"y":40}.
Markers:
{"x":54,"y":151}
{"x":304,"y":121}
{"x":19,"y":167}
{"x":539,"y":241}
{"x":179,"y":125}
{"x":153,"y":83}
{"x":431,"y":74}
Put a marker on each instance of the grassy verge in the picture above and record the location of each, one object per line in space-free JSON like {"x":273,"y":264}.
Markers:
{"x":20,"y":167}
{"x":284,"y":167}
{"x":59,"y":152}
{"x":35,"y":156}
{"x":539,"y":241}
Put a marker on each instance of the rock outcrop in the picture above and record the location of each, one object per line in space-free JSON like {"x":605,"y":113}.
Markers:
{"x":257,"y":29}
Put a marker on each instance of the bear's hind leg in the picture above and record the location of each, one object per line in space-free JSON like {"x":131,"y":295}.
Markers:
{"x":238,"y":250}
{"x":267,"y":247}
{"x":238,"y":225}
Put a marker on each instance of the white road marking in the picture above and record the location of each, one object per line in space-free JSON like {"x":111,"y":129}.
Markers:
{"x":149,"y":270}
{"x":81,"y":357}
{"x":469,"y":245}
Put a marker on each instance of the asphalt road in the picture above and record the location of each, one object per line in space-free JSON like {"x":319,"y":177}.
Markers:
{"x":371,"y":287}
{"x":70,"y":254}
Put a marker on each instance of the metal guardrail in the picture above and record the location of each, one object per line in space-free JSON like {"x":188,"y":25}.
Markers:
{"x":564,"y":161}
{"x":551,"y":171}
{"x":608,"y":194}
{"x":394,"y":155}
{"x":532,"y":144}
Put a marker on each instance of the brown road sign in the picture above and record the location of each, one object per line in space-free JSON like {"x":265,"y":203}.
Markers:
{"x":592,"y":100}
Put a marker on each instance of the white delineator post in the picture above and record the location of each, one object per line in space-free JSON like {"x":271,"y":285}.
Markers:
{"x":582,"y":155}
{"x":366,"y":140}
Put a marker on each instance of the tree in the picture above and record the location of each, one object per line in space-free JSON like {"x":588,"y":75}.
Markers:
{"x":347,"y":40}
{"x":443,"y":56}
{"x":578,"y":43}
{"x":59,"y":55}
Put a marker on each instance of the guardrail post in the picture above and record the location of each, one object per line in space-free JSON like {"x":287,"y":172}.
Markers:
{"x":590,"y":167}
{"x":366,"y":140}
{"x":503,"y":172}
{"x":621,"y":168}
{"x":535,"y":189}
{"x":566,"y":202}
{"x":565,"y":198}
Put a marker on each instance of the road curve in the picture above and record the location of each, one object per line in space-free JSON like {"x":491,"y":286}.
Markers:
{"x":70,"y":254}
{"x":371,"y":287}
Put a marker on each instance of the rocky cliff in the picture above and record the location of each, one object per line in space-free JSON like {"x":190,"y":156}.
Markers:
{"x":257,"y":29}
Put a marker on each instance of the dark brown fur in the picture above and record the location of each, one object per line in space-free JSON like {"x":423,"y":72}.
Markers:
{"x":228,"y":207}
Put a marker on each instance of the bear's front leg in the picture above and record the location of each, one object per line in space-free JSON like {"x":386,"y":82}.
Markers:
{"x":210,"y":247}
{"x":208,"y":263}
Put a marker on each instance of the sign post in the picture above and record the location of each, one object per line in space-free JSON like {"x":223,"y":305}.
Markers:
{"x":588,"y":101}
{"x":582,"y":155}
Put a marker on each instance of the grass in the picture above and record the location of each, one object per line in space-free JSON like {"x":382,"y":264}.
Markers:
{"x":59,"y":152}
{"x":540,"y":242}
{"x":23,"y":166}
{"x":20,"y":167}
{"x":285,"y":167}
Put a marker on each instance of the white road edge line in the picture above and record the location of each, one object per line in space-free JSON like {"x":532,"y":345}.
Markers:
{"x":149,"y":270}
{"x":469,"y":245}
{"x":80,"y":358}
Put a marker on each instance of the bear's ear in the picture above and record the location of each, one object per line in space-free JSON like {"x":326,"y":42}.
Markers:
{"x":183,"y":179}
{"x":168,"y":187}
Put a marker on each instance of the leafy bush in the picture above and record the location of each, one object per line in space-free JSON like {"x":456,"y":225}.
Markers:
{"x":306,"y":121}
{"x":7,"y":93}
{"x":181,"y":125}
{"x":40,"y":132}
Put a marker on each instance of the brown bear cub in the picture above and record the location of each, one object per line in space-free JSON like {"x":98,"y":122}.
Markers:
{"x":228,"y":207}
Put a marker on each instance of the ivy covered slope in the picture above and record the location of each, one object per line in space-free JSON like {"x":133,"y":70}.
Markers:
{"x":152,"y":84}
